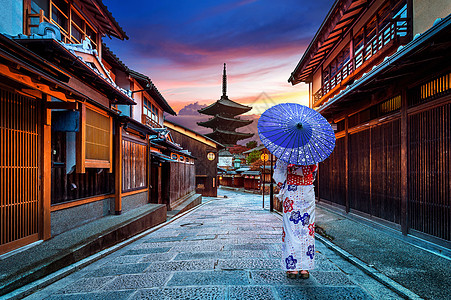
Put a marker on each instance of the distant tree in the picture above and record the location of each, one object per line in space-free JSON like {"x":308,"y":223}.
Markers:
{"x":253,"y":156}
{"x":251,"y":144}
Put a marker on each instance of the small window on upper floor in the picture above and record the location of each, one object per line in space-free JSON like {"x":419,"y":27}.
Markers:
{"x":383,"y":16}
{"x":60,"y":14}
{"x":73,"y":27}
{"x":401,"y":17}
{"x":358,"y":41}
{"x":371,"y":30}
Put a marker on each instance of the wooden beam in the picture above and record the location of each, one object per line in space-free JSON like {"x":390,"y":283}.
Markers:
{"x":347,"y":164}
{"x":81,"y":141}
{"x":404,"y":165}
{"x":149,"y":172}
{"x":26,"y":11}
{"x":118,"y":170}
{"x":28,"y":81}
{"x":62,"y":105}
{"x":100,"y":164}
{"x":31,"y":93}
{"x":110,"y":23}
{"x":46,"y":168}
{"x":110,"y":170}
{"x":159,"y":189}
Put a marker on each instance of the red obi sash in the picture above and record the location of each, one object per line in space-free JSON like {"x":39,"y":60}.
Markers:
{"x":307,"y":179}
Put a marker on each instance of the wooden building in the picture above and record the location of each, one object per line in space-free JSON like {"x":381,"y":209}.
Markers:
{"x":380,"y":70}
{"x":225,"y":121}
{"x":205,"y":152}
{"x":176,"y":171}
{"x":252,"y":180}
{"x":75,"y":122}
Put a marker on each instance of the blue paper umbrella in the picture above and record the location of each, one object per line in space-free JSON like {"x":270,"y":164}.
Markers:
{"x":296,"y":134}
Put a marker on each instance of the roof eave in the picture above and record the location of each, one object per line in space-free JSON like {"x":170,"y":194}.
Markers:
{"x":120,"y":33}
{"x":405,"y":50}
{"x":153,"y":91}
{"x":303,"y":61}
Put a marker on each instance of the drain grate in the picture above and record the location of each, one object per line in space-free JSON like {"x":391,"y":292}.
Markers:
{"x":191,"y":224}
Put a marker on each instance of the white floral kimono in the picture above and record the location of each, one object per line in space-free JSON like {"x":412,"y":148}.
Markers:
{"x":298,"y":197}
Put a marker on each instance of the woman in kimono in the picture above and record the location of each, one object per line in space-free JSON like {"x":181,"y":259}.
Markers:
{"x":298,"y":198}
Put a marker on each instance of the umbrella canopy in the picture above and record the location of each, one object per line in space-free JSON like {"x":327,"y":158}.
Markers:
{"x":296,"y":134}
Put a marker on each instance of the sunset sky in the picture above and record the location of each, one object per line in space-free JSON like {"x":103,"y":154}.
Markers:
{"x":182,"y":45}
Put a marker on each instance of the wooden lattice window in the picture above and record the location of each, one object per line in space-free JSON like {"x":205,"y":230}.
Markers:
{"x":97,"y":136}
{"x":150,"y":110}
{"x":436,"y":87}
{"x":95,"y":140}
{"x":80,"y":29}
{"x":134,"y":165}
{"x":73,"y":27}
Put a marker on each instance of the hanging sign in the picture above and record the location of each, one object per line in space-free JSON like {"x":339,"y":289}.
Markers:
{"x":211,"y":156}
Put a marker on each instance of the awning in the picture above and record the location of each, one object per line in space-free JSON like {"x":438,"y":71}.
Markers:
{"x":157,"y":156}
{"x":56,"y":53}
{"x":244,"y":169}
{"x":135,"y":125}
{"x":252,"y":173}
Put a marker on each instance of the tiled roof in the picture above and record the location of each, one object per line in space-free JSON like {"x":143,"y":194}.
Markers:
{"x":221,"y":119}
{"x":219,"y":131}
{"x":420,"y":43}
{"x":104,"y":17}
{"x":224,"y":102}
{"x":153,"y":91}
{"x":337,"y":22}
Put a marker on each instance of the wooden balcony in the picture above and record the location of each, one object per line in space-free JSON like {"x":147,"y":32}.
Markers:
{"x":146,"y":120}
{"x":370,"y":54}
{"x":32,"y":22}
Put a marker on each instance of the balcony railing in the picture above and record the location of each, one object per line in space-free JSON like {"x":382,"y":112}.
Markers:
{"x":396,"y":28}
{"x":33,"y":21}
{"x":149,"y":122}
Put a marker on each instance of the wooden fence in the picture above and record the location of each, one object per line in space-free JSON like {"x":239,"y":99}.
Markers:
{"x":374,"y":171}
{"x":19,"y":170}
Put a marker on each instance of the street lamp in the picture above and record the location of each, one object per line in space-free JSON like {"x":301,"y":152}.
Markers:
{"x":237,"y":163}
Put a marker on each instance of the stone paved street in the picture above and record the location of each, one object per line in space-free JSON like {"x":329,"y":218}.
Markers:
{"x":228,"y":248}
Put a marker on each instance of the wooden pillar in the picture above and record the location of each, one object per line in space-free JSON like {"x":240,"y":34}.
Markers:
{"x":149,"y":172}
{"x":118,"y":170}
{"x":81,"y":141}
{"x":410,"y":19}
{"x":351,"y":50}
{"x":46,"y":168}
{"x":160,"y":201}
{"x":318,"y":186}
{"x":347,"y":164}
{"x":370,"y":175}
{"x":271,"y":188}
{"x":404,"y":165}
{"x":26,"y":11}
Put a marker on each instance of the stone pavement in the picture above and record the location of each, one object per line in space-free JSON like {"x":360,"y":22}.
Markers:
{"x":227,"y":248}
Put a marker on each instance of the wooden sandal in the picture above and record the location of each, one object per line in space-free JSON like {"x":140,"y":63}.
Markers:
{"x":292,"y":275}
{"x":304,"y":275}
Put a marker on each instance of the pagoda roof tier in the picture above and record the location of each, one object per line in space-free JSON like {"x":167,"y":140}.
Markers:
{"x":221,"y":121}
{"x":225,"y":105}
{"x":228,"y":137}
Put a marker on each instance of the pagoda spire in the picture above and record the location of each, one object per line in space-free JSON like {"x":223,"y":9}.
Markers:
{"x":224,"y":121}
{"x":224,"y":82}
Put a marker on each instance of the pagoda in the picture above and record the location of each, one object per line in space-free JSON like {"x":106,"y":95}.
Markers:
{"x":224,"y":121}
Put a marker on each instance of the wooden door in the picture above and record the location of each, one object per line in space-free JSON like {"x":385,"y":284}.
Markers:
{"x":19,"y":170}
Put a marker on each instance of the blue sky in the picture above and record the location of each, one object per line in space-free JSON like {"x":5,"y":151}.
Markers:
{"x":182,"y":45}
